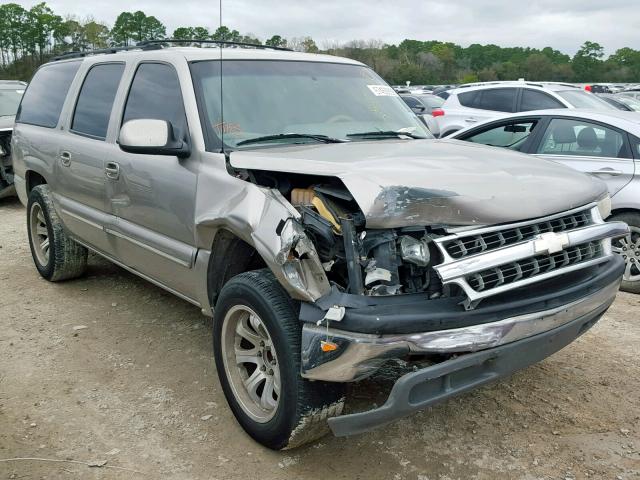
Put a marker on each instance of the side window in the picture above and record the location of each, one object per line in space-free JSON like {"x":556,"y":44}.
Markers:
{"x":512,"y":135}
{"x":577,"y":137}
{"x":535,"y":100}
{"x":155,"y":94}
{"x":95,"y":101}
{"x":497,"y":99}
{"x":42,"y":102}
{"x":467,"y":99}
{"x":412,"y":102}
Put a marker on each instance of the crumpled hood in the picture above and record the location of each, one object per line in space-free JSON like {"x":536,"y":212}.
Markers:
{"x":6,"y":123}
{"x":401,"y":183}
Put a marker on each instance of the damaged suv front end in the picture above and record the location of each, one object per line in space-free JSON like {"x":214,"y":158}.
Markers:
{"x":397,"y":247}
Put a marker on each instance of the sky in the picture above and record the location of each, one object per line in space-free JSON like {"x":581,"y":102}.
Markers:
{"x":561,"y":24}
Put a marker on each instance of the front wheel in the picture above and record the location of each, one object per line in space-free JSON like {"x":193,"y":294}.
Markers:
{"x":256,"y":341}
{"x":629,"y":248}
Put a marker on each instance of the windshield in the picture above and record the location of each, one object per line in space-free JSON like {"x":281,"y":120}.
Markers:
{"x":312,"y":99}
{"x":580,"y":99}
{"x":9,"y":101}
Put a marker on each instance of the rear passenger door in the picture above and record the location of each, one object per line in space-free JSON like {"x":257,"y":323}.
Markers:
{"x":590,"y":147}
{"x":83,"y":154}
{"x":152,"y":196}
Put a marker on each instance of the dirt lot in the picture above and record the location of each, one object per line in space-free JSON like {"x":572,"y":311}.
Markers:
{"x":137,"y":389}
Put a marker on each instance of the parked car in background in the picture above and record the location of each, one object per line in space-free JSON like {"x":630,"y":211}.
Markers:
{"x":603,"y":144}
{"x":633,"y":93}
{"x":426,"y":106}
{"x":325,"y":241}
{"x":466,"y":106}
{"x":621,"y":102}
{"x":10,"y":95}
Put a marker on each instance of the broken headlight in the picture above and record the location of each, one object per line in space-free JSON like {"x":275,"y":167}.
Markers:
{"x":415,"y":251}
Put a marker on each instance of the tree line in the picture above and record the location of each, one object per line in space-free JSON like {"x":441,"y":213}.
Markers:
{"x":29,"y":37}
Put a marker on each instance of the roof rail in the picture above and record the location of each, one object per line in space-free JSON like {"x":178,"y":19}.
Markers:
{"x":82,"y":54}
{"x":214,"y":42}
{"x":159,"y":44}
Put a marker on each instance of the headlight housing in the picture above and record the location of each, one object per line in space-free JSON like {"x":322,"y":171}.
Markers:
{"x":415,"y":251}
{"x":604,"y":207}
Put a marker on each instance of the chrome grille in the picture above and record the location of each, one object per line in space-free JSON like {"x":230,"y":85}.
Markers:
{"x":493,"y":260}
{"x":465,"y":246}
{"x":531,"y":267}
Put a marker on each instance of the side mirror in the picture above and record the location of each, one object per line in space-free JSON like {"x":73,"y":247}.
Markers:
{"x":419,"y":109}
{"x":151,"y":137}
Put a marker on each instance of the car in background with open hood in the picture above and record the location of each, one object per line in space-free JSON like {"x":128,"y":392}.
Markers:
{"x":10,"y":95}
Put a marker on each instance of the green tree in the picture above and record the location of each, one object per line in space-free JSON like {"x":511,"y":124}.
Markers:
{"x":276,"y":41}
{"x":96,"y":34}
{"x":587,"y":62}
{"x":122,"y":33}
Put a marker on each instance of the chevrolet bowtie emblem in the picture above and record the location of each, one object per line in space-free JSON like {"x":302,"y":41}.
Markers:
{"x":550,"y":242}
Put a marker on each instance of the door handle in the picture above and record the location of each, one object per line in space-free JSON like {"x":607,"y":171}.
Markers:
{"x":112,"y":170}
{"x":470,"y":120}
{"x":65,"y":158}
{"x":606,"y":171}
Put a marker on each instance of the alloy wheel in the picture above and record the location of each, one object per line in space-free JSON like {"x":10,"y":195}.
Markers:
{"x":251,"y":363}
{"x":39,"y":234}
{"x":629,"y":248}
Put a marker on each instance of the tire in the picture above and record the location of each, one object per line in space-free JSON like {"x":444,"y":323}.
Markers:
{"x":302,"y":407}
{"x":60,"y":258}
{"x":629,"y":248}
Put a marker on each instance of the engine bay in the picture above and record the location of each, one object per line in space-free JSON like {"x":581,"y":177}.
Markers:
{"x":358,"y":260}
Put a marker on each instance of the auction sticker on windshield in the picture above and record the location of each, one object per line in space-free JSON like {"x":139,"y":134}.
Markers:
{"x":382,"y":90}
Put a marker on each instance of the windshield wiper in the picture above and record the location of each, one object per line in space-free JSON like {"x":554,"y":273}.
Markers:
{"x":266,"y":138}
{"x":386,"y":133}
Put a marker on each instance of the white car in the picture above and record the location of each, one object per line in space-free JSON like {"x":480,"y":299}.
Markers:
{"x":603,"y":144}
{"x":466,"y":106}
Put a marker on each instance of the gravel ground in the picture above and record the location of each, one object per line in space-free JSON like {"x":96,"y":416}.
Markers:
{"x":111,"y":369}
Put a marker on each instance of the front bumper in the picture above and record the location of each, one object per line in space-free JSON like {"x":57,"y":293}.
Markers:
{"x":359,"y":355}
{"x":418,"y":390}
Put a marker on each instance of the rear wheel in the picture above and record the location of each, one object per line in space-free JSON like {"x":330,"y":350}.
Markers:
{"x":257,"y":351}
{"x":629,"y":248}
{"x":56,"y":256}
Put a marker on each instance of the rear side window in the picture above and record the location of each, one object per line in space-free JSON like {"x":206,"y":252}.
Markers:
{"x":497,"y":99}
{"x":534,"y":100}
{"x":155,"y":94}
{"x":44,"y":98}
{"x":96,"y":98}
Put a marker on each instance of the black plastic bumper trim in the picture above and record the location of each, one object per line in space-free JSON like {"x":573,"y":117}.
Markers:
{"x":418,"y":390}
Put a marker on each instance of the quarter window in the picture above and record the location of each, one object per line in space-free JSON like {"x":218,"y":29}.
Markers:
{"x":155,"y":94}
{"x":95,"y":101}
{"x":580,"y":138}
{"x":534,"y":100}
{"x":42,"y":102}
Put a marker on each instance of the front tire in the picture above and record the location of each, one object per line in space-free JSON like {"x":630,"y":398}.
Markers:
{"x":256,"y":340}
{"x":629,"y":248}
{"x":56,"y":256}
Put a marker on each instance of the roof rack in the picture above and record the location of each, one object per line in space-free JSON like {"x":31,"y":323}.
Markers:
{"x":159,"y":44}
{"x":214,"y":42}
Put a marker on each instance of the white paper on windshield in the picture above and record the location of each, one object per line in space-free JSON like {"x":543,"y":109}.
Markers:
{"x":382,"y":90}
